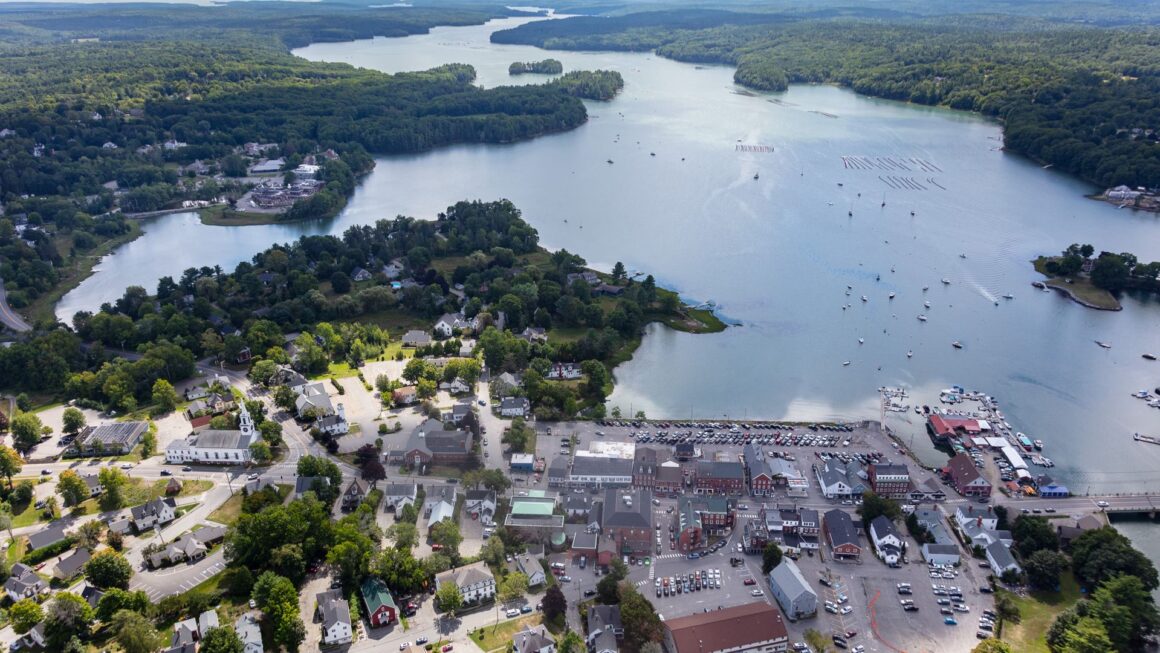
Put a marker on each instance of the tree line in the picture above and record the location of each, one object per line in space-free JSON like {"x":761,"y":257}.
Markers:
{"x":1082,"y":98}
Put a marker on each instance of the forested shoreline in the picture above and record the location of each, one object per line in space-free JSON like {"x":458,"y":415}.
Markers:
{"x":1082,"y":98}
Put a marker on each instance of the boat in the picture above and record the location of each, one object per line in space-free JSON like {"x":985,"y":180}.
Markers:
{"x":1140,"y":394}
{"x":1024,"y":441}
{"x":610,"y":161}
{"x":864,"y":298}
{"x":908,"y":355}
{"x":845,"y":363}
{"x":756,"y":175}
{"x":860,"y":341}
{"x":946,"y":281}
{"x":839,"y":184}
{"x":926,"y":304}
{"x":912,"y":214}
{"x":957,"y":345}
{"x":918,"y":410}
{"x":1103,"y":344}
{"x":925,"y":288}
{"x":891,"y":295}
{"x":1008,"y":296}
{"x":921,"y":318}
{"x":1039,"y":284}
{"x":1150,"y":357}
{"x":652,"y":153}
{"x":962,"y":256}
{"x":1145,"y":438}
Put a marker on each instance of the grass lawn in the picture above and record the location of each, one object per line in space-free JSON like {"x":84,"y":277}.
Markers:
{"x":338,"y":370}
{"x":26,"y":517}
{"x":228,"y":512}
{"x":1081,"y":287}
{"x":137,"y":491}
{"x":1037,"y":611}
{"x":499,"y":636}
{"x":17,"y":549}
{"x":395,"y":321}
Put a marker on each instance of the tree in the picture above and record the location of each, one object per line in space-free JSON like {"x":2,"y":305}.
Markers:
{"x":554,"y":603}
{"x":66,"y":615}
{"x":25,"y":614}
{"x":220,"y":640}
{"x":373,"y":470}
{"x":89,"y":534}
{"x":607,"y":590}
{"x":114,"y":600}
{"x":112,"y":480}
{"x":406,"y":535}
{"x":400,"y":571}
{"x":493,"y":552}
{"x":263,"y":371}
{"x":992,"y":645}
{"x":513,"y":587}
{"x":135,"y":633}
{"x":271,"y":432}
{"x":770,"y":558}
{"x":260,"y":451}
{"x":408,"y":514}
{"x":1088,"y":635}
{"x":874,"y":506}
{"x":276,"y":596}
{"x":817,"y":641}
{"x":71,"y":488}
{"x":350,"y":560}
{"x":571,"y":642}
{"x":10,"y":463}
{"x":1100,"y":554}
{"x":618,"y":273}
{"x":1044,"y":567}
{"x":164,"y":396}
{"x":1033,"y":534}
{"x":148,"y":444}
{"x":25,"y":429}
{"x":640,"y":620}
{"x":448,"y":598}
{"x":446,"y":533}
{"x":1126,"y":610}
{"x":73,"y":420}
{"x":109,"y":569}
{"x":1006,"y":609}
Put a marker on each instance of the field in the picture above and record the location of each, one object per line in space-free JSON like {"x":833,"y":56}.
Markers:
{"x":1037,"y":611}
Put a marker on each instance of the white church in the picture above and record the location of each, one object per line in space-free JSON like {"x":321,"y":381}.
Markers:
{"x":226,"y":447}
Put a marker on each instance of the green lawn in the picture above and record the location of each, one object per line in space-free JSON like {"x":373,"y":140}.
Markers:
{"x":137,"y":491}
{"x":27,"y":517}
{"x":229,"y":511}
{"x":1037,"y":611}
{"x":17,"y":549}
{"x":499,"y":636}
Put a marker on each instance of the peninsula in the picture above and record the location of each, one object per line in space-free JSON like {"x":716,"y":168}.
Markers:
{"x":1094,"y":281}
{"x":545,"y":67}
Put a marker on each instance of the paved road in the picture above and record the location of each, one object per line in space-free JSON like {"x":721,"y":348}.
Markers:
{"x":8,"y":316}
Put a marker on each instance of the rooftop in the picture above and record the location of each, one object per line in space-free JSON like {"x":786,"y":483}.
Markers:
{"x":731,"y":628}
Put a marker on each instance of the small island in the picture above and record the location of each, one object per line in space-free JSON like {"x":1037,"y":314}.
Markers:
{"x":545,"y":67}
{"x":1094,"y":282}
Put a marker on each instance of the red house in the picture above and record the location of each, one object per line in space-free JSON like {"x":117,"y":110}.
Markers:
{"x":380,"y":605}
{"x":966,"y":478}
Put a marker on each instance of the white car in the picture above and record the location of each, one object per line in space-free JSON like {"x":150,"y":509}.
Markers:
{"x":404,"y":646}
{"x":757,"y":593}
{"x":846,"y":610}
{"x":1102,"y":504}
{"x":513,"y":613}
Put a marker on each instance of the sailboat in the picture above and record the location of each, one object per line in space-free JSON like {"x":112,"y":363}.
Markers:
{"x":926,"y":304}
{"x":883,"y":200}
{"x":921,"y":318}
{"x":909,"y":353}
{"x":891,"y":295}
{"x":851,"y":211}
{"x":845,"y":363}
{"x":756,"y":175}
{"x":861,"y":340}
{"x":957,"y":345}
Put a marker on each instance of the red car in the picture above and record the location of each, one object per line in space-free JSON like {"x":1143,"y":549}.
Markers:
{"x":436,"y":547}
{"x":749,"y":581}
{"x":446,"y":648}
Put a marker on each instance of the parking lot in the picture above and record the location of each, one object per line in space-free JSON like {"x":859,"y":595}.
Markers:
{"x":874,"y":616}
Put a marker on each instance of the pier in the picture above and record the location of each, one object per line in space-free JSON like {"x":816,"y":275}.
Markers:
{"x":760,"y":149}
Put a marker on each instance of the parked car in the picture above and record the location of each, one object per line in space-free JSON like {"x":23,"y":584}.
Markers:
{"x":421,"y":641}
{"x":749,"y":581}
{"x":166,"y":472}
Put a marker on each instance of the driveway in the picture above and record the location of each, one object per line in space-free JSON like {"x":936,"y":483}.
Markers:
{"x":179,"y":578}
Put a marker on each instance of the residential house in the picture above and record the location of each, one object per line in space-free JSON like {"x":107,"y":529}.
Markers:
{"x":480,"y":504}
{"x":515,"y":407}
{"x":415,"y":339}
{"x":438,"y":510}
{"x":589,"y":277}
{"x":304,"y":484}
{"x":430,"y":443}
{"x":577,"y":506}
{"x":68,"y":567}
{"x":750,"y":628}
{"x":986,"y":518}
{"x":206,"y":621}
{"x":965,"y":477}
{"x":981,"y":536}
{"x":795,"y":596}
{"x":458,"y":412}
{"x":93,"y":482}
{"x":627,"y":520}
{"x":190,"y":547}
{"x":474,"y":581}
{"x":534,"y":334}
{"x":157,"y":512}
{"x":841,"y":535}
{"x":932,"y":521}
{"x":531,"y":568}
{"x":360,"y":274}
{"x":397,"y":495}
{"x":24,"y":583}
{"x":405,"y":396}
{"x":533,"y":639}
{"x":250,"y":632}
{"x":719,"y":477}
{"x":380,"y":605}
{"x":314,"y":400}
{"x":48,"y":536}
{"x":604,"y":619}
{"x":334,"y":611}
{"x":504,"y":384}
{"x":456,"y":387}
{"x":185,"y":634}
{"x":889,"y":480}
{"x":564,"y":372}
{"x":117,"y":438}
{"x":927,"y":491}
{"x":1001,"y":559}
{"x":334,"y":425}
{"x":354,"y":494}
{"x":887,"y":540}
{"x":452,"y":323}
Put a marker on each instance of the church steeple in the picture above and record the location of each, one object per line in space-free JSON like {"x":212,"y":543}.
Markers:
{"x":245,"y":424}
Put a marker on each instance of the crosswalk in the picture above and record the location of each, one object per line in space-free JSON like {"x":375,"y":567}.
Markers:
{"x":669,"y":556}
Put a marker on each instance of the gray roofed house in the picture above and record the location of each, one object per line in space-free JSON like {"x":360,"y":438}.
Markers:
{"x":942,"y":554}
{"x":585,"y":541}
{"x":184,"y":632}
{"x":603,"y":618}
{"x":304,"y":484}
{"x":558,"y":471}
{"x":46,"y":537}
{"x":887,"y":540}
{"x":795,"y":596}
{"x":250,"y":632}
{"x":91,"y":595}
{"x":1001,"y":559}
{"x":416,"y":338}
{"x":24,"y":583}
{"x":397,"y":495}
{"x":620,"y":514}
{"x":337,"y":627}
{"x":207,"y":620}
{"x":833,"y":480}
{"x":71,"y":566}
{"x":153,"y":513}
{"x":841,"y":535}
{"x":515,"y":407}
{"x":533,"y":639}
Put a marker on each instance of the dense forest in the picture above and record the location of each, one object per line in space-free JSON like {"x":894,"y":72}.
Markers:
{"x":485,"y":248}
{"x":1084,"y":99}
{"x":88,"y":129}
{"x":545,"y":67}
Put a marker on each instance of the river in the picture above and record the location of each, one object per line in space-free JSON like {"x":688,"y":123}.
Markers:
{"x":767,"y":236}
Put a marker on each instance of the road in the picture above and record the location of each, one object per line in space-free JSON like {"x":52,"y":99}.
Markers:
{"x":8,"y":316}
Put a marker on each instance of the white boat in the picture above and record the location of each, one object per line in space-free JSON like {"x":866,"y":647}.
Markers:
{"x":922,"y":318}
{"x":860,"y":341}
{"x":1103,"y":344}
{"x":864,"y":298}
{"x":946,"y":281}
{"x":1008,"y":296}
{"x":925,"y":288}
{"x":957,"y":345}
{"x":926,"y":304}
{"x":908,"y":355}
{"x":845,"y":363}
{"x":891,"y":295}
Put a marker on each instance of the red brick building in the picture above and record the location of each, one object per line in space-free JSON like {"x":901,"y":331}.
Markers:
{"x":698,"y":518}
{"x":644,"y":468}
{"x":720,"y":478}
{"x":891,"y":481}
{"x":966,"y":478}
